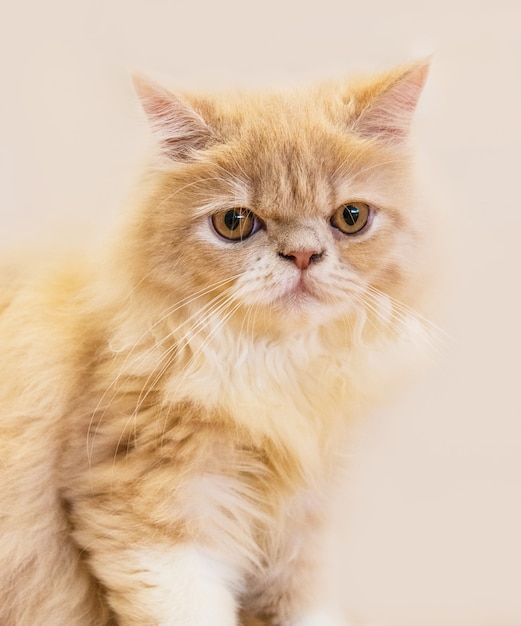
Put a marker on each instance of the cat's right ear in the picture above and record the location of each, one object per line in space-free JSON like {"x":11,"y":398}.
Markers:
{"x":179,"y":130}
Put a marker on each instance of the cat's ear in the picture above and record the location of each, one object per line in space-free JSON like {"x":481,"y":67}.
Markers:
{"x":386,"y":106}
{"x":178,"y":128}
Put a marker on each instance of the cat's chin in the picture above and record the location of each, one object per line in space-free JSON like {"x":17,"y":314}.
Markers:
{"x":302,"y":307}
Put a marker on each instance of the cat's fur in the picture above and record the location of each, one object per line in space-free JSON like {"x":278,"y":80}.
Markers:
{"x":173,"y":414}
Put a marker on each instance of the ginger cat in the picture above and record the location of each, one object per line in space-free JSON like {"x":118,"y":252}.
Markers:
{"x":173,"y":414}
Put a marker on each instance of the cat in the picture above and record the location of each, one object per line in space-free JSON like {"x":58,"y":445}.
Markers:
{"x":174,"y":412}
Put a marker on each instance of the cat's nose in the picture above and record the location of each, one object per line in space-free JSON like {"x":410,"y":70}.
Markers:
{"x":302,"y":258}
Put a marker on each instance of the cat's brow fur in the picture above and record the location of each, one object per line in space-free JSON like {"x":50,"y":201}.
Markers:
{"x":172,"y":415}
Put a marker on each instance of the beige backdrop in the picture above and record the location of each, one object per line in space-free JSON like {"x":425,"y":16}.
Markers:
{"x":428,"y":530}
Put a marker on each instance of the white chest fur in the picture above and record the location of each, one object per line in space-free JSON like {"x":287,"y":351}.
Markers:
{"x":293,"y":391}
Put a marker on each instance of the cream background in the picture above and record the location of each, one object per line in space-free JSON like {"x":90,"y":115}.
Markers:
{"x":428,"y":530}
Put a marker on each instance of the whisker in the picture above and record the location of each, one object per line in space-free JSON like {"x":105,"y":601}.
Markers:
{"x":401,"y":317}
{"x":410,"y":311}
{"x":188,"y":368}
{"x":166,"y":314}
{"x":153,"y":378}
{"x":199,"y":326}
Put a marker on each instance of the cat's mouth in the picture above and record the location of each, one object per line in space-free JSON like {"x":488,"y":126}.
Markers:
{"x":301,"y":287}
{"x":301,"y":292}
{"x":304,"y":295}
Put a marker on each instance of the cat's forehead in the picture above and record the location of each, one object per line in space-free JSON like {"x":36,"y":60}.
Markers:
{"x":289,"y":177}
{"x":284,"y":122}
{"x":289,"y":151}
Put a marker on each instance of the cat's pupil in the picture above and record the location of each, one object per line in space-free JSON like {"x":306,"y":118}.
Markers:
{"x":351,"y":214}
{"x":232,"y":219}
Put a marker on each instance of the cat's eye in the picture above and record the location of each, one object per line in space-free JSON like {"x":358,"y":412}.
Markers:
{"x":351,"y":218}
{"x":234,"y":224}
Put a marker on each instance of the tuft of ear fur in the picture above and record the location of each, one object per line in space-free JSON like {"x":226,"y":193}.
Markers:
{"x":178,"y":128}
{"x":385,"y":107}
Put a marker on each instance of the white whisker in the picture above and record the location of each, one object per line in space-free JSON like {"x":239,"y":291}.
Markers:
{"x":167,"y":314}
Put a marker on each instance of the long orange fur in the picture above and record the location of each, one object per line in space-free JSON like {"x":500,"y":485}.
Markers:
{"x":172,"y":415}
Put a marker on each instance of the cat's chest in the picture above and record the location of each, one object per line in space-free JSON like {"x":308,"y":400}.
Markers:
{"x":294,"y":391}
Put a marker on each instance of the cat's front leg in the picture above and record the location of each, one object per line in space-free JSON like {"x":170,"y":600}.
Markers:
{"x":169,"y":586}
{"x":293,"y":589}
{"x":293,"y":611}
{"x":294,"y":598}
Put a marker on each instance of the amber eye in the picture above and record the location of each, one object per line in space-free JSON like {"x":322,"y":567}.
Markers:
{"x":351,"y":218}
{"x":234,"y":224}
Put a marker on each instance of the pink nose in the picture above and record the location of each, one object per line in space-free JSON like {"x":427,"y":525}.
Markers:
{"x":302,"y":258}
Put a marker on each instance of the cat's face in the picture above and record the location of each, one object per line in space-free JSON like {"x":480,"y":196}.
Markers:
{"x":288,"y":208}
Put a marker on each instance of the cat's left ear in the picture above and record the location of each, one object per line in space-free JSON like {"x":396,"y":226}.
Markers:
{"x":386,"y":106}
{"x":178,"y":128}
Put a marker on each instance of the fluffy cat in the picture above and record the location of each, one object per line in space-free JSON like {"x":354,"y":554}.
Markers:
{"x":173,"y":414}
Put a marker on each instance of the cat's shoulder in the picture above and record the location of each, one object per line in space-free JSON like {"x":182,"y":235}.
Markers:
{"x":40,"y":285}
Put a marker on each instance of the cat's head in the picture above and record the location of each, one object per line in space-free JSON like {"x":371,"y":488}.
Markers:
{"x":292,"y":208}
